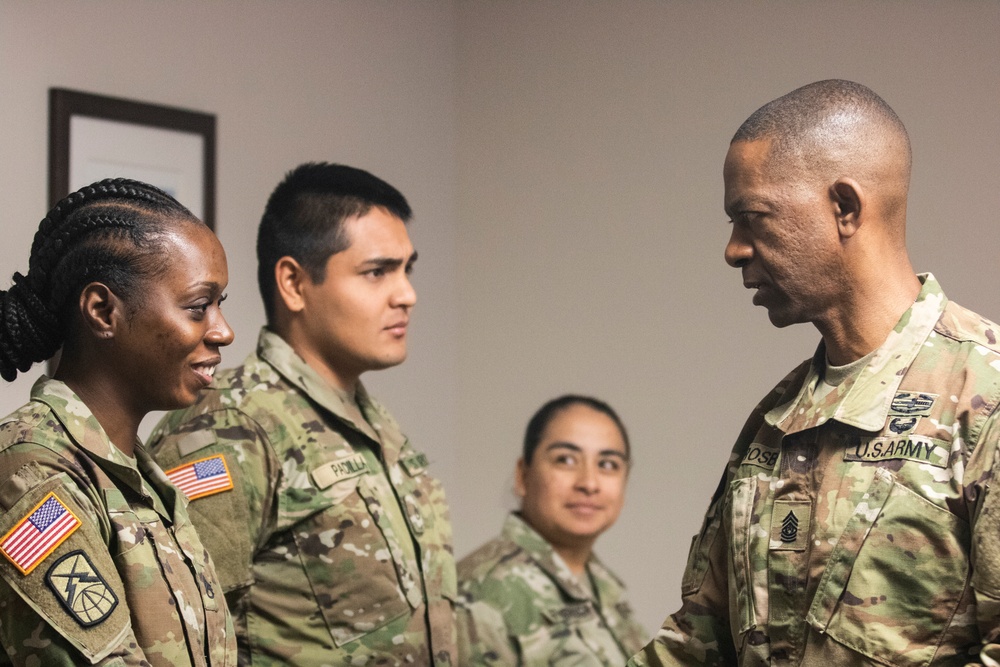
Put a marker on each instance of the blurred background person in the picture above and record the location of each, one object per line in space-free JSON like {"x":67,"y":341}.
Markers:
{"x":537,"y":594}
{"x":100,"y":563}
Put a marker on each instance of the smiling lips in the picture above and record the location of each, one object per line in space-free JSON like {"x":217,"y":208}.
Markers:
{"x":206,"y":370}
{"x":584,"y":508}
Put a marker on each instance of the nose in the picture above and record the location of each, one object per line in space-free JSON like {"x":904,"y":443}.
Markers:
{"x":219,"y":332}
{"x":586,"y":479}
{"x":738,"y":250}
{"x":404,"y":296}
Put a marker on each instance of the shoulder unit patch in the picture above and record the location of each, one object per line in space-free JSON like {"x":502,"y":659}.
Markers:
{"x":203,"y":477}
{"x":81,"y":589}
{"x":45,"y":527}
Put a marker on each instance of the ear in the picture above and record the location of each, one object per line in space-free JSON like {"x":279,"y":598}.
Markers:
{"x":849,"y":201}
{"x":290,"y":278}
{"x":101,"y":311}
{"x":520,"y":472}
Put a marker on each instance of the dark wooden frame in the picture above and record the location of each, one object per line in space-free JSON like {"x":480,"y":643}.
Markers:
{"x":64,"y":104}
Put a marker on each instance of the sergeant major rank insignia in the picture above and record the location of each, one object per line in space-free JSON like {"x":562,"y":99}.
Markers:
{"x":81,"y":589}
{"x":790,"y":521}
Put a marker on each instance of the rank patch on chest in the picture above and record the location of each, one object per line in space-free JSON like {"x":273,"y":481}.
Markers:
{"x":790,"y":523}
{"x":414,"y":463}
{"x":329,"y":474}
{"x":46,"y":526}
{"x":81,"y":589}
{"x":203,"y":477}
{"x":912,"y":403}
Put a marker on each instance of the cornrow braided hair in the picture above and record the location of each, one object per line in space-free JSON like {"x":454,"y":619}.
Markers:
{"x":108,"y":232}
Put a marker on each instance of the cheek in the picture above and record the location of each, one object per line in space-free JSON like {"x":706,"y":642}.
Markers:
{"x":615,"y":490}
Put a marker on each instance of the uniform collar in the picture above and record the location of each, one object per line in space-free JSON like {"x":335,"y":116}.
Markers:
{"x":276,"y":352}
{"x":516,"y":530}
{"x":82,"y":427}
{"x":863,"y":401}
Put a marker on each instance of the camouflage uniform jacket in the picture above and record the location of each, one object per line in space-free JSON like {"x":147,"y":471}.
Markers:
{"x":100,"y":563}
{"x":521,"y":605}
{"x":861,"y":528}
{"x":333,"y":548}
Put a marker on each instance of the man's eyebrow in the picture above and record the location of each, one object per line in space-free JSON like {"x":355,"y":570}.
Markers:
{"x":614,"y":452}
{"x":382,"y":262}
{"x":388,"y":262}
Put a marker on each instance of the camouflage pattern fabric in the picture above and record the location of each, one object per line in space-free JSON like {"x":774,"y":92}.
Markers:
{"x":521,"y":605}
{"x":859,"y":529}
{"x":128,"y":581}
{"x":333,"y":548}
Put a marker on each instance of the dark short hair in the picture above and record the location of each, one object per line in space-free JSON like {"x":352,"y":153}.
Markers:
{"x":545,"y":414}
{"x":304,"y":218}
{"x":111,"y":232}
{"x":811,"y":115}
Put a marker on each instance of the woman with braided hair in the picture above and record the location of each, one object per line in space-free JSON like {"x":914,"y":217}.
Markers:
{"x":99,"y":563}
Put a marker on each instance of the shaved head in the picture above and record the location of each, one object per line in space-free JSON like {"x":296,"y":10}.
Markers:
{"x":835,"y":128}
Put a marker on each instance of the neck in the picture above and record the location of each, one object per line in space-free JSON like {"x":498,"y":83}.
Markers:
{"x":870,"y":311}
{"x":575,"y":557}
{"x":118,"y":419}
{"x":344,"y":380}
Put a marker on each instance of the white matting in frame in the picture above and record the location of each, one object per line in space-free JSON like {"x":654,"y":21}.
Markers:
{"x":171,"y":160}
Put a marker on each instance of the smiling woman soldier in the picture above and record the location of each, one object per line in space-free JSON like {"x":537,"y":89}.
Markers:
{"x":99,"y":563}
{"x":537,"y":595}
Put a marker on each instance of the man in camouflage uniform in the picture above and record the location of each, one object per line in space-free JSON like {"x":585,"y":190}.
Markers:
{"x":333,"y":543}
{"x":100,"y":563}
{"x":523,"y":606}
{"x":855,"y":524}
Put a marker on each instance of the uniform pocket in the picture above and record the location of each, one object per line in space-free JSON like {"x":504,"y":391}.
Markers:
{"x":701,"y":544}
{"x":571,"y":635}
{"x":348,"y":562}
{"x":895,"y":578}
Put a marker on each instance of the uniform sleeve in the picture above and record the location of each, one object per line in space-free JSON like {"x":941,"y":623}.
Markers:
{"x":986,"y":547}
{"x":234,"y":513}
{"x":61,"y":599}
{"x":698,"y":633}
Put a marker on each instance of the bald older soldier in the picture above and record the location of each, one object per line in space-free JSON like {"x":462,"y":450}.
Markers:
{"x":855,"y":524}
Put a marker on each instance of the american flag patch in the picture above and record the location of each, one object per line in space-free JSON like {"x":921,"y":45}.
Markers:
{"x":38,"y":534}
{"x":202,"y":477}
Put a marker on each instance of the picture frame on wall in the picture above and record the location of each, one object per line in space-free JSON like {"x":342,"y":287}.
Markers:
{"x":94,"y":136}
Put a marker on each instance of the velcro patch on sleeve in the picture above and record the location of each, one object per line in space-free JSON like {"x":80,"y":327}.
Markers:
{"x":80,"y":588}
{"x":39,"y":533}
{"x":203,"y":477}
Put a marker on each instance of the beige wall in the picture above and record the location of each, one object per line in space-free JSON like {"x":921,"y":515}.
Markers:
{"x":564,"y":161}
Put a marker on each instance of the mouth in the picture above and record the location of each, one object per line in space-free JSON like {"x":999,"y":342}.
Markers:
{"x":398,"y":328}
{"x":584,"y":508}
{"x":206,"y":370}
